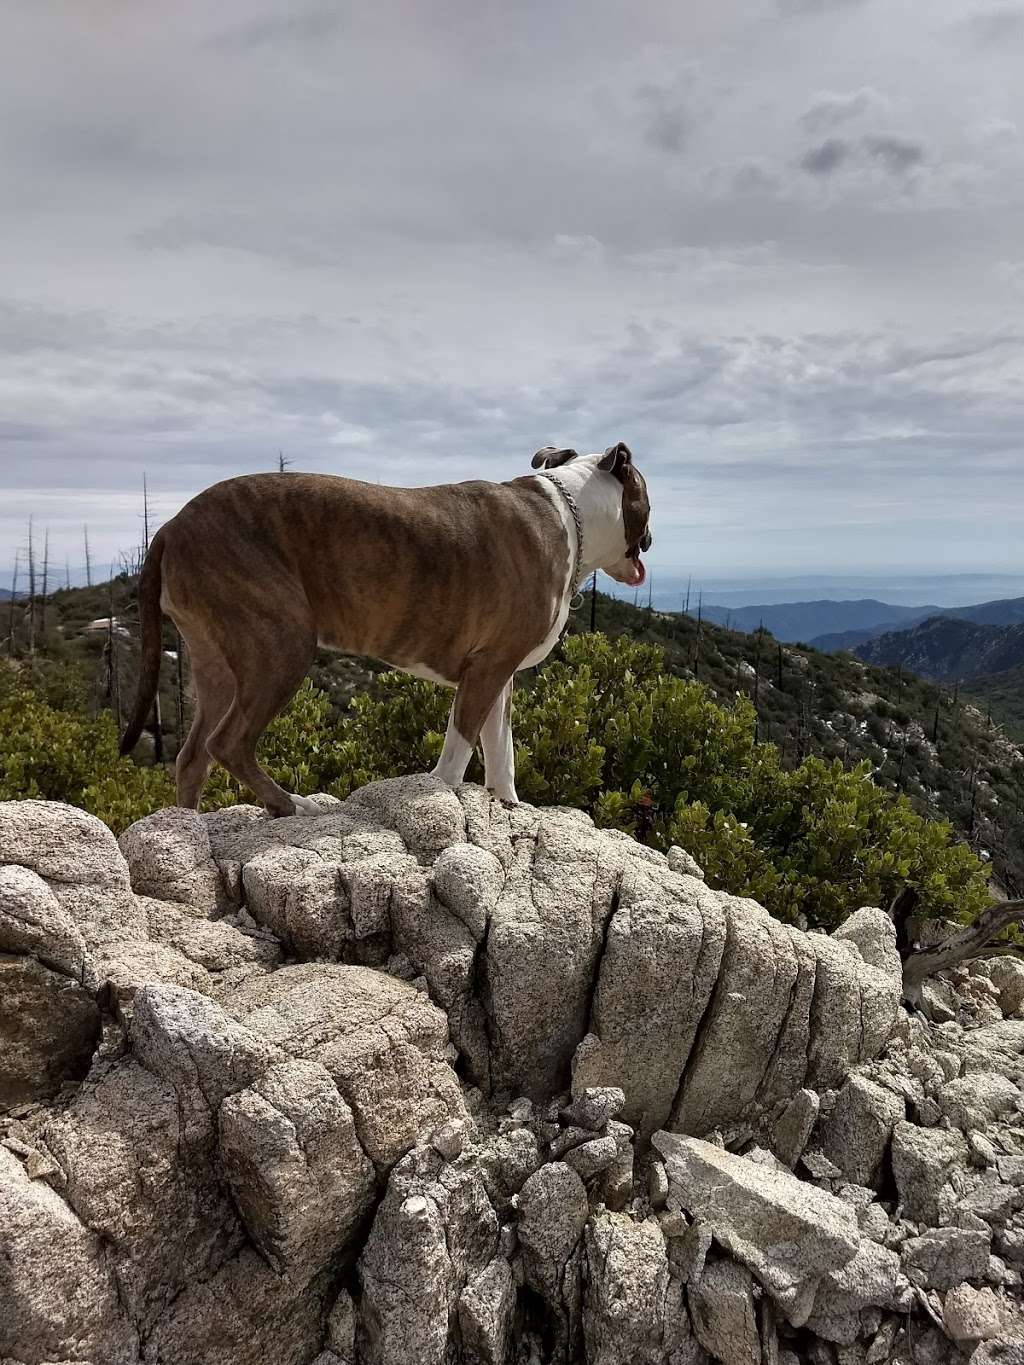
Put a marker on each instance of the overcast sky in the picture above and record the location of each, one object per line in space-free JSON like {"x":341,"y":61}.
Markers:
{"x":775,"y":245}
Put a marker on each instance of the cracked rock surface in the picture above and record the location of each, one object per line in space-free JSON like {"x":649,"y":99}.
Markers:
{"x":425,"y":1079}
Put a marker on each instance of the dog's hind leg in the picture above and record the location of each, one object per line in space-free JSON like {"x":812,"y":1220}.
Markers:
{"x":480,"y":688}
{"x":214,"y":688}
{"x":499,"y":755}
{"x":267,"y":675}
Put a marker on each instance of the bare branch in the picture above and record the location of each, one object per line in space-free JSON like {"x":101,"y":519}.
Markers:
{"x":968,"y":943}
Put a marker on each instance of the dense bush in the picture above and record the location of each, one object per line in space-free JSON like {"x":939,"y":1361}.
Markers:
{"x":61,"y":754}
{"x":602,"y":727}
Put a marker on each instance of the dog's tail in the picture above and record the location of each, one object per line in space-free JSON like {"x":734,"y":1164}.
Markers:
{"x":151,"y":620}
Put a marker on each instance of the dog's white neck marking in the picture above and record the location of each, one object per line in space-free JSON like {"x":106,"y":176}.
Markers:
{"x":599,"y":498}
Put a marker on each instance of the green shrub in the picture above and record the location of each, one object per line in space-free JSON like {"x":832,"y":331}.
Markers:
{"x":602,"y":727}
{"x":58,"y":755}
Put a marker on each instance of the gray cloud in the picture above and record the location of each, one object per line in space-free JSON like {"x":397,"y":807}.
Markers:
{"x":993,"y":26}
{"x":816,"y":6}
{"x":897,"y":154}
{"x":309,"y":25}
{"x":665,"y":117}
{"x":826,"y":157}
{"x":415,"y":243}
{"x":830,"y":108}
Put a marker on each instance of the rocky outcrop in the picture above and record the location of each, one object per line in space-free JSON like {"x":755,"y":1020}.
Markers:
{"x":426,"y":1079}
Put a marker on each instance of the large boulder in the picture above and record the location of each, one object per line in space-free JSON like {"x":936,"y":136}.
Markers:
{"x":49,"y":1028}
{"x":856,"y":1134}
{"x":426,"y":1078}
{"x":60,"y":1293}
{"x":789,"y":1234}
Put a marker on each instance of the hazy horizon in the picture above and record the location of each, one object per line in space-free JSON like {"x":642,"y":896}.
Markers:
{"x":778,"y":256}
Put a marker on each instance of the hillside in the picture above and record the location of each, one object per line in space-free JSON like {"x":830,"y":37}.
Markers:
{"x":1002,"y":694}
{"x":920,"y":738}
{"x":946,"y":648}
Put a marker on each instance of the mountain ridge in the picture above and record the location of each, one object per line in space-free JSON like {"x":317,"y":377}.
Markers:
{"x":945,"y":648}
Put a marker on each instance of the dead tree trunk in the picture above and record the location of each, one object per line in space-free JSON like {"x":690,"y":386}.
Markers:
{"x":975,"y":940}
{"x":31,"y":593}
{"x":42,"y":595}
{"x":11,"y":617}
{"x":88,"y":560}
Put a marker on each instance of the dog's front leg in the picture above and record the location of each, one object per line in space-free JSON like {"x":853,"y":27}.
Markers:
{"x":451,"y":766}
{"x":480,"y":689}
{"x":499,"y":755}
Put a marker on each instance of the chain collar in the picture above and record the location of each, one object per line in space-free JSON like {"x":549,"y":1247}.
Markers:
{"x":571,"y":501}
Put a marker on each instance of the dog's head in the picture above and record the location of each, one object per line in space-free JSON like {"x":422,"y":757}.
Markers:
{"x":624,"y":563}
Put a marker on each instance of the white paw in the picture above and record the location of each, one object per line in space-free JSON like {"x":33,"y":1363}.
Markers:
{"x":506,"y":794}
{"x":304,"y":806}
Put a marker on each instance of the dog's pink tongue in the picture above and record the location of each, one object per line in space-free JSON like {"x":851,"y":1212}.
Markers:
{"x":641,"y":572}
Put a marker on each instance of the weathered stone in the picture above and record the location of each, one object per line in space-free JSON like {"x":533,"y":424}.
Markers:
{"x":341,"y":1328}
{"x":79,"y":1317}
{"x":972,"y":1315}
{"x":871,"y":1279}
{"x":681,"y":861}
{"x":975,"y":1100}
{"x":222,"y":1154}
{"x":874,"y":934}
{"x":594,"y":1106}
{"x":300,"y":898}
{"x":32,"y":921}
{"x":189,"y":1041}
{"x":657,"y":1184}
{"x":137,"y":1166}
{"x":380,"y":1039}
{"x":856,"y":1134}
{"x":999,"y":1353}
{"x":169,"y":857}
{"x":633,"y":1310}
{"x":688,"y":1253}
{"x":468,"y":880}
{"x":794,"y":1127}
{"x":434,"y":1234}
{"x":660,"y":965}
{"x":1008,"y":977}
{"x":49,"y":1028}
{"x":746,"y":1018}
{"x":246,"y":1314}
{"x":553,"y":1211}
{"x":724,"y":1320}
{"x":787,"y":1232}
{"x":922,"y":1162}
{"x":485,"y":1314}
{"x":61,"y":843}
{"x":297,"y":1172}
{"x":546,"y":933}
{"x":408,"y":1284}
{"x":590,"y":1158}
{"x":944,"y":1257}
{"x":214,"y":945}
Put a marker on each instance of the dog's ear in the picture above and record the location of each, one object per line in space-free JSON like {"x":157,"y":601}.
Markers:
{"x":551,"y":458}
{"x":616,"y":458}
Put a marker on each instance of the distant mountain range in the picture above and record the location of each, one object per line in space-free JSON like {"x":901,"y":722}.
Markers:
{"x":793,"y":621}
{"x":948,"y":647}
{"x":832,"y":626}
